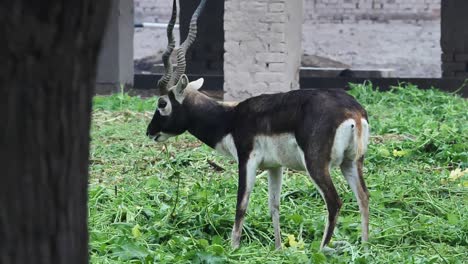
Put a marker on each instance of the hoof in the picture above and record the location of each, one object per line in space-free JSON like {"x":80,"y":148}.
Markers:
{"x":235,"y":244}
{"x":340,"y":244}
{"x":338,"y":247}
{"x":327,"y":251}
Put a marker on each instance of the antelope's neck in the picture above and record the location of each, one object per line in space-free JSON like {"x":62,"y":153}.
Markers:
{"x":209,"y":121}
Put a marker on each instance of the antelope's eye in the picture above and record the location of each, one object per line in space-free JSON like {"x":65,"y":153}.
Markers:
{"x":162,"y":103}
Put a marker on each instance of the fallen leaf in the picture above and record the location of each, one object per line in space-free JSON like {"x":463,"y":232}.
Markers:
{"x":136,"y":231}
{"x":399,"y":153}
{"x":292,"y":241}
{"x":457,"y":174}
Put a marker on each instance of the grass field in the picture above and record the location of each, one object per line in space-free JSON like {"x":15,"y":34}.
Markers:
{"x":174,"y":202}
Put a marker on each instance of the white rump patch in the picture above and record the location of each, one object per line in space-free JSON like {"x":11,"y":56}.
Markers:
{"x":347,"y":144}
{"x":365,"y":135}
{"x":343,"y":142}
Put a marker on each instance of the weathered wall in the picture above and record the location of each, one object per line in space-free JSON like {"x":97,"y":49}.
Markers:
{"x":293,"y":35}
{"x":412,"y":49}
{"x":324,"y":11}
{"x":153,"y":10}
{"x":262,"y":44}
{"x":403,"y":35}
{"x":115,"y":62}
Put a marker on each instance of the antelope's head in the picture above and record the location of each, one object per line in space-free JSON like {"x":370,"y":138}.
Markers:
{"x":170,"y":117}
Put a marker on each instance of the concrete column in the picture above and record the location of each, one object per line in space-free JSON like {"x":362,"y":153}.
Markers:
{"x":262,"y":47}
{"x":454,"y":38}
{"x":115,"y":63}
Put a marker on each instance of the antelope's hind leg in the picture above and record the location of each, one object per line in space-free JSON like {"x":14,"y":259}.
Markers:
{"x":274,"y":193}
{"x":319,"y":172}
{"x":352,"y":171}
{"x":247,"y":174}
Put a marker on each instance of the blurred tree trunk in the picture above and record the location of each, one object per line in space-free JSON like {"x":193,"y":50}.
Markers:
{"x":48,"y":53}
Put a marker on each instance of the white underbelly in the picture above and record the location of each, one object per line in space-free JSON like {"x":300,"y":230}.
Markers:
{"x":282,"y":150}
{"x":269,"y":151}
{"x":227,"y":147}
{"x":279,"y":150}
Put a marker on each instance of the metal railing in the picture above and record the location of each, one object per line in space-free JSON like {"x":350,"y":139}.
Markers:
{"x":153,"y":25}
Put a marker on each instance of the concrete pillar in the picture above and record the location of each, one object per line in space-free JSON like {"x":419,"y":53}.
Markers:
{"x":262,"y":47}
{"x":115,"y":63}
{"x":454,"y":38}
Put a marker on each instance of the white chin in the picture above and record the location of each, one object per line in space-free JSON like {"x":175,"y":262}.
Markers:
{"x":162,"y":137}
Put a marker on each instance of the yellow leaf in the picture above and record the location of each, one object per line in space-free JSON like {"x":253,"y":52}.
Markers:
{"x":292,"y":241}
{"x":383,"y":152}
{"x":399,"y":153}
{"x":300,"y":244}
{"x":136,"y":231}
{"x":457,"y":174}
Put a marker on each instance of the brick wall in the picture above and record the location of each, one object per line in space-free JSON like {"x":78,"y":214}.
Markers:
{"x":324,"y":11}
{"x":360,"y":33}
{"x":153,"y":10}
{"x":262,"y":47}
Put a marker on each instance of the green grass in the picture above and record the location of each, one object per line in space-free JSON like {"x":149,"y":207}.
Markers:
{"x":165,"y":203}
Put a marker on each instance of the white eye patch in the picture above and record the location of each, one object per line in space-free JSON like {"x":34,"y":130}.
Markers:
{"x":167,"y":109}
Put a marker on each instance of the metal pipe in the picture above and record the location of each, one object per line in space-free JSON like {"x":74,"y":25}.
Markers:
{"x":153,"y":25}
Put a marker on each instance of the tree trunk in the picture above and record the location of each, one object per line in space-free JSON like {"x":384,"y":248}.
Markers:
{"x":48,"y":53}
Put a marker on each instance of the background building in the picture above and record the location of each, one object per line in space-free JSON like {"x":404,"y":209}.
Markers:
{"x":399,"y":34}
{"x":248,"y":47}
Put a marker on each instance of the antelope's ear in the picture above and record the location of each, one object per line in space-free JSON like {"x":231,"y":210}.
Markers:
{"x":182,"y":83}
{"x":180,"y":87}
{"x":196,"y":84}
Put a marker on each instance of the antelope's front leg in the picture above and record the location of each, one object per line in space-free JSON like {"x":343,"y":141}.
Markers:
{"x":247,"y":174}
{"x":274,"y":192}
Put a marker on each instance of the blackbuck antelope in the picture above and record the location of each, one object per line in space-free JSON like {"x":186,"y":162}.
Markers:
{"x":309,"y":130}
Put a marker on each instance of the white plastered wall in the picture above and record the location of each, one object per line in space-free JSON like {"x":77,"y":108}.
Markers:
{"x":262,"y":47}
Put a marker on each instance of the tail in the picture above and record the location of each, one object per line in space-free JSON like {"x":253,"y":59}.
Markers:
{"x":361,"y":136}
